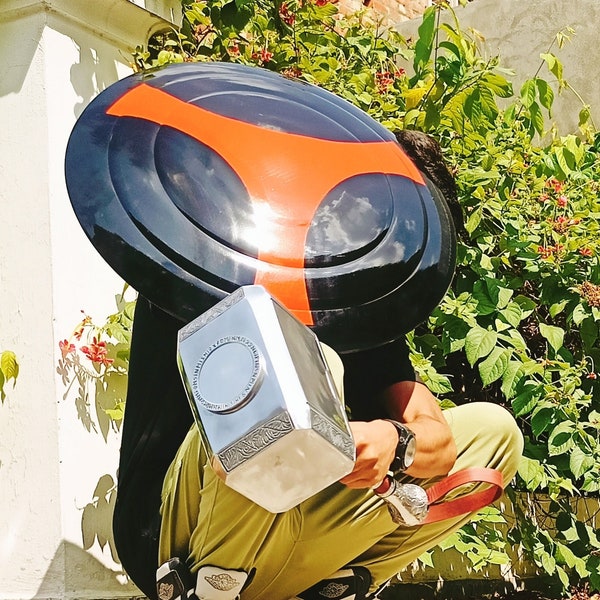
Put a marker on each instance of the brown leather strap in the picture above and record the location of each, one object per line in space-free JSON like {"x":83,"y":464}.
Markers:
{"x":438,"y":511}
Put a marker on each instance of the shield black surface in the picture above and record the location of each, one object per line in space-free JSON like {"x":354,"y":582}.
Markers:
{"x":198,"y":178}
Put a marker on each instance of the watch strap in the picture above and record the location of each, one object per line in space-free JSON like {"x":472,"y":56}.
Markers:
{"x":399,"y":465}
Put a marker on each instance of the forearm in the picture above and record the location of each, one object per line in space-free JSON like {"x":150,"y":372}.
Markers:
{"x":412,"y":404}
{"x":436,"y":450}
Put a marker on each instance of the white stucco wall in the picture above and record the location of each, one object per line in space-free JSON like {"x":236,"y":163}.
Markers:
{"x":55,"y":56}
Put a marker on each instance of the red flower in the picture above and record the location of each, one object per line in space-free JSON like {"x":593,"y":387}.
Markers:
{"x":293,"y":72}
{"x":586,"y":251}
{"x":554,"y":184}
{"x":545,"y":251}
{"x":81,"y":327}
{"x":264,"y":55}
{"x":548,"y":251}
{"x":287,"y":16}
{"x":234,"y":49}
{"x":592,"y":376}
{"x":383,"y":80}
{"x":562,"y":201}
{"x":321,"y":2}
{"x":66,"y":347}
{"x":96,"y":352}
{"x":543,"y":198}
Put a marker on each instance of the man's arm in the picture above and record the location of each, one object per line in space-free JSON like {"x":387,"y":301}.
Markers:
{"x":412,"y":404}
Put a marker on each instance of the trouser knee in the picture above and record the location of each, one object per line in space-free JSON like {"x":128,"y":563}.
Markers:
{"x":511,"y":439}
{"x":496,"y":434}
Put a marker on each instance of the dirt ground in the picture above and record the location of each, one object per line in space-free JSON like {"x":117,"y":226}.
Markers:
{"x":467,"y":592}
{"x":582,"y":593}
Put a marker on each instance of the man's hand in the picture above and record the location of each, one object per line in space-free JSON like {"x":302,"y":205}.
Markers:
{"x":375,"y":447}
{"x":413,"y":404}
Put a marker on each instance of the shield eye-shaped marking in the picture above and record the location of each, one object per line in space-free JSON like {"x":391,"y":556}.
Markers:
{"x":189,"y":189}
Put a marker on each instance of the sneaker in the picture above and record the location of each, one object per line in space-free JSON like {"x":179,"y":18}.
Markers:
{"x":347,"y":584}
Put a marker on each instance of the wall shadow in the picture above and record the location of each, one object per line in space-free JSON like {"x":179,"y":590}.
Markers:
{"x":94,"y":72}
{"x":74,"y":573}
{"x":96,"y":520}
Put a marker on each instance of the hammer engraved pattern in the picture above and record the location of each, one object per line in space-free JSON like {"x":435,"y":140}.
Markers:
{"x":258,"y":439}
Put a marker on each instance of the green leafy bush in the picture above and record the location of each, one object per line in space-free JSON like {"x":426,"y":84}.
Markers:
{"x":520,"y":325}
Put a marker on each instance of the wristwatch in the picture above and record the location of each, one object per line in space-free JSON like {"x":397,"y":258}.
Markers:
{"x":405,"y":450}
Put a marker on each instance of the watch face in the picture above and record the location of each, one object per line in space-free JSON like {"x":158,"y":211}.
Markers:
{"x":411,"y":448}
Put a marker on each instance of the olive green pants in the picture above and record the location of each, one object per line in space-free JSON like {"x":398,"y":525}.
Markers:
{"x":207,"y":523}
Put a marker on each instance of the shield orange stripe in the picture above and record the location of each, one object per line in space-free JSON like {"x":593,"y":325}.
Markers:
{"x":287,"y":176}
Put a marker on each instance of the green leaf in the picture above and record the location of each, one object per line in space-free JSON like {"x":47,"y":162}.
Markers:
{"x":594,"y":569}
{"x":541,"y":420}
{"x":437,"y":383}
{"x":490,"y":514}
{"x":575,"y":147}
{"x":564,"y":524}
{"x":9,"y":365}
{"x":531,"y":472}
{"x":512,"y":314}
{"x":236,"y":15}
{"x":479,"y":343}
{"x":528,"y":92}
{"x":584,"y":115}
{"x":561,"y":438}
{"x":590,"y":483}
{"x":548,"y":562}
{"x":494,"y":366}
{"x":452,"y":48}
{"x":527,"y":305}
{"x":537,"y":118}
{"x":117,"y":413}
{"x":426,"y":559}
{"x":359,"y":81}
{"x":563,"y":576}
{"x":450,"y":541}
{"x":499,"y":295}
{"x":511,"y":378}
{"x":515,"y":339}
{"x":496,"y":557}
{"x":424,"y":45}
{"x":473,"y":107}
{"x":365,"y":98}
{"x":498,"y":84}
{"x":554,"y":65}
{"x":580,"y":462}
{"x":454,"y":333}
{"x":473,"y":220}
{"x":545,"y":93}
{"x":589,"y":333}
{"x":486,"y":302}
{"x":562,"y":156}
{"x":554,"y":335}
{"x":525,"y":402}
{"x":557,"y":308}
